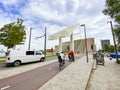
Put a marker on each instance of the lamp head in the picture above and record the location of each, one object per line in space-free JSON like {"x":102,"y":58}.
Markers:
{"x":109,"y":21}
{"x":82,"y":25}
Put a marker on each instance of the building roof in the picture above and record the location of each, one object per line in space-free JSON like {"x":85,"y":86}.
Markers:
{"x":63,"y":33}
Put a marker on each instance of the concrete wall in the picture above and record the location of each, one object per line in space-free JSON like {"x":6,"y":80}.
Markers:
{"x":79,"y":45}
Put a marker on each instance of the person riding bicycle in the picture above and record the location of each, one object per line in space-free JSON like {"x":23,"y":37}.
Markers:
{"x":61,"y":58}
{"x":71,"y":56}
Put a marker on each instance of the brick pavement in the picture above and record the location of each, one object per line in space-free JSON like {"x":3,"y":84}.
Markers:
{"x":74,"y":77}
{"x":106,"y":77}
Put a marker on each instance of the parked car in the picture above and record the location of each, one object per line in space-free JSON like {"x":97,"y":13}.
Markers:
{"x":113,"y":55}
{"x":17,"y":57}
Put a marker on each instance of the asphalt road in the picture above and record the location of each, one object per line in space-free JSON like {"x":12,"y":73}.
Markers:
{"x":31,"y":80}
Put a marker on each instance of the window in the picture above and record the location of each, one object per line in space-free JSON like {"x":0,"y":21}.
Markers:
{"x":38,"y":53}
{"x":29,"y":52}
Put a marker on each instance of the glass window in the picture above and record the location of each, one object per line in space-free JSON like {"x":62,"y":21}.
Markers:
{"x":38,"y":53}
{"x":29,"y":52}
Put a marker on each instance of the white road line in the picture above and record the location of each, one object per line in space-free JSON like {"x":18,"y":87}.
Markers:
{"x":4,"y":87}
{"x":50,"y":68}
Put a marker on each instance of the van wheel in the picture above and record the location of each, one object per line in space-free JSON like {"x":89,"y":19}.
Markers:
{"x":42,"y":59}
{"x":17,"y":63}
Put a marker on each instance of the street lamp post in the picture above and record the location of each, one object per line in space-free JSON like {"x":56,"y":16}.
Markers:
{"x":114,"y":41}
{"x":85,"y":42}
{"x":29,"y":39}
{"x":45,"y":42}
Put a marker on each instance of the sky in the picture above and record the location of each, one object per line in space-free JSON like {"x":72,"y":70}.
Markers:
{"x":56,"y":15}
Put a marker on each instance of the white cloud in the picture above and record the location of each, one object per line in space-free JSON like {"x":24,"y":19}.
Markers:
{"x":8,"y":2}
{"x":4,"y":20}
{"x":56,"y":15}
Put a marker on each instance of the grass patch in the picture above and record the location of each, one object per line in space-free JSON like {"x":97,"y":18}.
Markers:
{"x":2,"y":60}
{"x":118,"y":61}
{"x":48,"y":56}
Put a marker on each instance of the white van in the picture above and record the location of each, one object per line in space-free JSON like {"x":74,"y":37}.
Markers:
{"x":16,"y":57}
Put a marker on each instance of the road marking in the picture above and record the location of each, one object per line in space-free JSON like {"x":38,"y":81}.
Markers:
{"x":50,"y":68}
{"x":4,"y":87}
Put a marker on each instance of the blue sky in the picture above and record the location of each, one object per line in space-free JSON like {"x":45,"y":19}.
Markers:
{"x":56,"y":15}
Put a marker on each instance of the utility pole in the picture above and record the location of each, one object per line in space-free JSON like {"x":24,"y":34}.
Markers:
{"x":45,"y":37}
{"x":45,"y":41}
{"x":85,"y":42}
{"x":29,"y":39}
{"x":114,"y":42}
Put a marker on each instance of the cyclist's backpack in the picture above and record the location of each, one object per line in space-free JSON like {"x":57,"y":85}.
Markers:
{"x":59,"y":58}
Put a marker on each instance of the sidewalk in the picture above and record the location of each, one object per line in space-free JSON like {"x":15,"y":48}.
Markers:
{"x":106,"y":77}
{"x":74,"y":77}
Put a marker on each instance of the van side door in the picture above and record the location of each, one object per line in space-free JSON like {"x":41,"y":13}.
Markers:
{"x":38,"y":55}
{"x":30,"y":56}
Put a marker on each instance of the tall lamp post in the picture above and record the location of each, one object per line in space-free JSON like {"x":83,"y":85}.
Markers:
{"x":112,"y":30}
{"x":29,"y":39}
{"x":45,"y":41}
{"x":85,"y":42}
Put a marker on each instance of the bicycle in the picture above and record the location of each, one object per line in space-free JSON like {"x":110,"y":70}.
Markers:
{"x":71,"y":58}
{"x":61,"y":64}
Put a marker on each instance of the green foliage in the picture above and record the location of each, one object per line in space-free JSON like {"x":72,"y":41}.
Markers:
{"x":119,"y":48}
{"x":12,"y":34}
{"x":112,"y":48}
{"x":106,"y":48}
{"x":117,"y":33}
{"x":113,"y":9}
{"x":100,"y":50}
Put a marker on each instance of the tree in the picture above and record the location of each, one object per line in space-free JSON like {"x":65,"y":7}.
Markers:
{"x":112,"y":48}
{"x":118,"y":48}
{"x":113,"y":9}
{"x":106,"y":48}
{"x":117,"y":33}
{"x":100,"y":50}
{"x":12,"y":34}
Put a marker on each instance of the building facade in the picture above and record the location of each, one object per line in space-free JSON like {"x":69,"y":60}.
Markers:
{"x":103,"y":42}
{"x":79,"y":45}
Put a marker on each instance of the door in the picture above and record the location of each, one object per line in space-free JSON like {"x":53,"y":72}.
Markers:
{"x":30,"y":56}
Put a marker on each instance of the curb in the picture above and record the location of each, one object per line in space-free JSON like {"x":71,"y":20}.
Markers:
{"x":92,"y":68}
